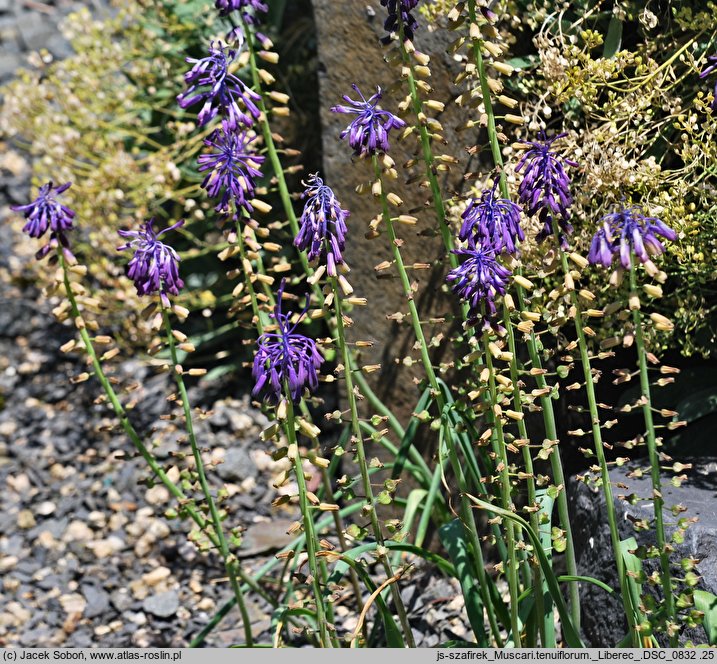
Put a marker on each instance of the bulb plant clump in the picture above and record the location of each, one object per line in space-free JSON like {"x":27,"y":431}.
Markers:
{"x":550,"y":267}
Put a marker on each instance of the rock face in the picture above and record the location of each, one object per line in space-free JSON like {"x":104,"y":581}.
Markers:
{"x":348,"y":34}
{"x":603,"y":624}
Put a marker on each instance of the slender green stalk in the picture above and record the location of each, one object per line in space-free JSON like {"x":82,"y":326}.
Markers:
{"x":657,"y":501}
{"x":597,"y":438}
{"x":203,"y":483}
{"x":362,"y":462}
{"x":527,"y":458}
{"x":546,"y":401}
{"x":466,"y":512}
{"x":305,"y":505}
{"x":505,"y":494}
{"x":134,"y":437}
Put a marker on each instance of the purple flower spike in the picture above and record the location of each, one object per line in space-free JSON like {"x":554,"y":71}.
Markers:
{"x":154,"y":268}
{"x":46,"y":212}
{"x":368,"y":133}
{"x":479,"y":280}
{"x":706,"y":72}
{"x":628,"y":232}
{"x":492,"y":222}
{"x":323,"y":225}
{"x":403,"y":9}
{"x":285,"y":357}
{"x":232,"y":166}
{"x":210,"y":81}
{"x":545,"y":189}
{"x":247,"y":8}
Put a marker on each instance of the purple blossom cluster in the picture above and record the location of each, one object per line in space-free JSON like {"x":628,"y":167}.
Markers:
{"x":545,"y":188}
{"x":210,"y":81}
{"x":248,"y":9}
{"x":479,"y":280}
{"x":322,"y":232}
{"x":285,"y":359}
{"x":492,"y":222}
{"x":400,"y":16}
{"x":232,"y":167}
{"x":154,"y":266}
{"x":45,"y":213}
{"x":368,"y":132}
{"x":628,"y":232}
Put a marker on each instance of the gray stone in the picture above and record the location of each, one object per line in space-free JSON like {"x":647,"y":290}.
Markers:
{"x":603,"y":625}
{"x":9,"y":63}
{"x":266,"y":536}
{"x":237,"y":465}
{"x":5,"y":5}
{"x":162,"y":605}
{"x":34,"y":30}
{"x":122,"y":600}
{"x":98,"y":601}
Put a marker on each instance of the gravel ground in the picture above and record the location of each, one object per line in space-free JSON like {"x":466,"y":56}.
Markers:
{"x":87,"y":556}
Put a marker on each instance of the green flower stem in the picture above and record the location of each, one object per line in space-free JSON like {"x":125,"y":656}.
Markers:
{"x":273,"y":153}
{"x":466,"y":512}
{"x":305,"y":505}
{"x":546,"y":402}
{"x":597,"y":440}
{"x":173,"y":489}
{"x":261,"y":317}
{"x":657,"y":501}
{"x":203,"y":483}
{"x":527,"y":460}
{"x":501,"y":453}
{"x":370,"y":502}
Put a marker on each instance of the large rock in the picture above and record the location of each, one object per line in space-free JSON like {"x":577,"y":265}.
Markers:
{"x":350,"y":52}
{"x":603,"y":623}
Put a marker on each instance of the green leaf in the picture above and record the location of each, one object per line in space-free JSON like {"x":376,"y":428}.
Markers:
{"x":707,"y":603}
{"x":453,"y":539}
{"x":570,"y":634}
{"x":613,"y":40}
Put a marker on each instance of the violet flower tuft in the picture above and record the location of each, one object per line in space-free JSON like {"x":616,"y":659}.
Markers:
{"x":46,"y":212}
{"x":628,"y":232}
{"x":232,"y":166}
{"x":479,"y":280}
{"x":247,"y":8}
{"x":210,"y":81}
{"x":545,"y":189}
{"x":285,"y":357}
{"x":399,"y":15}
{"x":492,"y":222}
{"x":368,"y":132}
{"x":323,"y":225}
{"x":154,"y":268}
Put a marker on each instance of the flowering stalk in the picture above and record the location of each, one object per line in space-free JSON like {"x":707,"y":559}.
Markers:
{"x":466,"y":512}
{"x":501,"y":452}
{"x":546,"y":401}
{"x":134,"y":437}
{"x":369,"y":500}
{"x":201,"y":474}
{"x":306,"y":511}
{"x":597,"y":433}
{"x":657,"y":501}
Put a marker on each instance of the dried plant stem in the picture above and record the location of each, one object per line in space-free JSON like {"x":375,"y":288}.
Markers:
{"x":132,"y":434}
{"x":362,"y":462}
{"x":309,"y":529}
{"x":546,"y":401}
{"x":657,"y":501}
{"x":466,"y":512}
{"x":203,"y":483}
